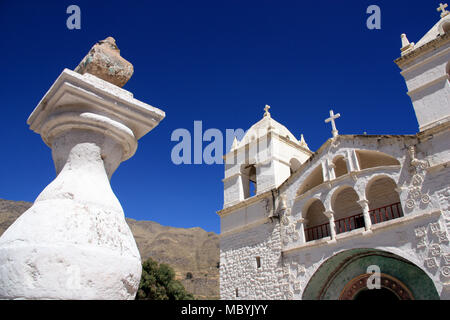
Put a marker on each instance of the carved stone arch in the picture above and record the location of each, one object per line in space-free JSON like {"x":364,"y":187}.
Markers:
{"x":362,"y":183}
{"x":340,"y":153}
{"x":345,"y":204}
{"x":248,"y":179}
{"x":315,"y":222}
{"x":374,"y":178}
{"x":313,"y":179}
{"x":331,"y":196}
{"x":373,"y":158}
{"x":333,"y":276}
{"x":340,"y":164}
{"x":392,"y":287}
{"x":294,"y":164}
{"x":383,"y":198}
{"x":307,"y":204}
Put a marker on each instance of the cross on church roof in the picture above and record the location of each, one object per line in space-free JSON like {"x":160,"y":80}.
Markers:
{"x":333,"y":124}
{"x":266,"y":109}
{"x":442,"y":8}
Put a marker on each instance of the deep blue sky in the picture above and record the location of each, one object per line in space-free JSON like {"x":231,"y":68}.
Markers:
{"x":215,"y":61}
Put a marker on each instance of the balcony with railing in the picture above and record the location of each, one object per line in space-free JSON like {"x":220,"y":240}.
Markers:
{"x":386,"y":213}
{"x":378,"y":215}
{"x":317,"y":232}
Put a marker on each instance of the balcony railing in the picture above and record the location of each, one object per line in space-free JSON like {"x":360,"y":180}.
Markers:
{"x":350,"y":223}
{"x":317,"y":232}
{"x":392,"y":211}
{"x":386,"y":213}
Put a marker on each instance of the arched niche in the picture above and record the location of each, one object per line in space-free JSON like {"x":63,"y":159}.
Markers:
{"x":294,"y":164}
{"x":340,"y":166}
{"x":313,"y":180}
{"x":370,"y":159}
{"x":248,"y":174}
{"x":384,"y":201}
{"x":316,"y":224}
{"x":347,"y":212}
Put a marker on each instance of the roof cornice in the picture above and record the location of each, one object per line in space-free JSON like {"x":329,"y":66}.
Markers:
{"x":422,"y":50}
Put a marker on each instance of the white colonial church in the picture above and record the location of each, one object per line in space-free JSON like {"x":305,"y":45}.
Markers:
{"x":298,"y":224}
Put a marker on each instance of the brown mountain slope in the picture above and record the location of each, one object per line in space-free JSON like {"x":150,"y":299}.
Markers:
{"x":191,"y":252}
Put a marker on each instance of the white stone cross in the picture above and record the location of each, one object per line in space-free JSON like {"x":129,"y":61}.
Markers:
{"x":333,"y":124}
{"x":442,"y":8}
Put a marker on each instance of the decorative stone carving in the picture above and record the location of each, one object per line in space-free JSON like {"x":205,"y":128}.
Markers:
{"x":289,"y":295}
{"x":360,"y":283}
{"x":433,"y":246}
{"x":283,"y":202}
{"x":420,"y":232}
{"x":435,"y":249}
{"x":422,"y":243}
{"x":74,"y":242}
{"x":293,"y":275}
{"x":430,"y":263}
{"x":288,"y":225}
{"x":445,"y":271}
{"x":435,"y":227}
{"x":446,"y":259}
{"x":301,"y":269}
{"x":335,"y":142}
{"x":418,"y":170}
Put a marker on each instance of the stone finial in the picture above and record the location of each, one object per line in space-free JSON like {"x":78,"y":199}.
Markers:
{"x":235,"y":144}
{"x":104,"y":61}
{"x":266,"y":111}
{"x":406,"y":45}
{"x":303,"y":142}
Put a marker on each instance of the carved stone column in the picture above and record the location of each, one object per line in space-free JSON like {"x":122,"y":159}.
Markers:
{"x":331,"y":169}
{"x":74,"y":242}
{"x":330,"y":215}
{"x":302,"y":222}
{"x":365,"y":207}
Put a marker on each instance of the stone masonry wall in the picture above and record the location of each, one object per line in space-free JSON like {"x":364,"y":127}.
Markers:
{"x":238,"y":263}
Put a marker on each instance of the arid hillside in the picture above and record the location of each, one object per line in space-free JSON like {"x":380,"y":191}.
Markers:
{"x":193,"y":253}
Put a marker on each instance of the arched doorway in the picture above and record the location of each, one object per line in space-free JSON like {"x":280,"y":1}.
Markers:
{"x":345,"y":275}
{"x":380,"y":294}
{"x":390,"y":288}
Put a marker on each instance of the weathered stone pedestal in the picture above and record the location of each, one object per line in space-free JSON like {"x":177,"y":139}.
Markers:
{"x":74,"y":243}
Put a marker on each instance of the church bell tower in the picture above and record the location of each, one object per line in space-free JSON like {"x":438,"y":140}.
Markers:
{"x":264,"y":158}
{"x":426,"y":69}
